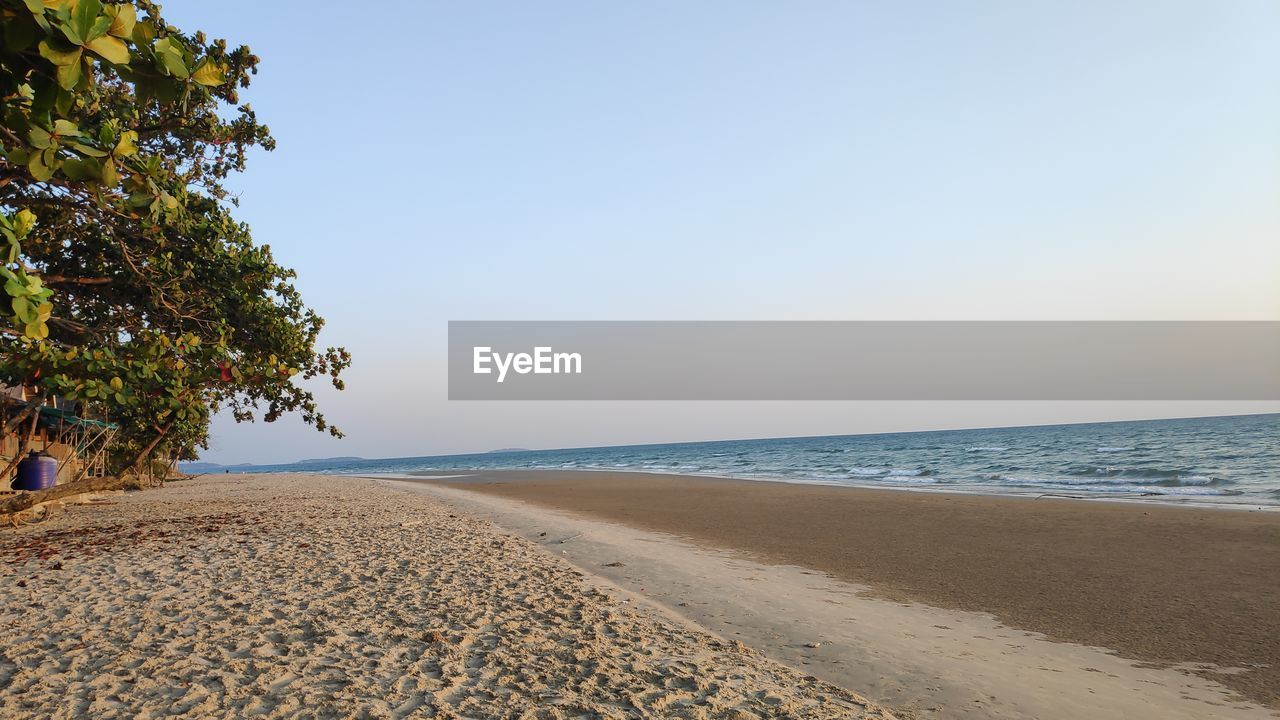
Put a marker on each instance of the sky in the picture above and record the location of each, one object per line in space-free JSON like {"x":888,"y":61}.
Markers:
{"x":869,"y":160}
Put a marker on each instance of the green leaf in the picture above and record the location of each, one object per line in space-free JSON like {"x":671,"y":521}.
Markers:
{"x":127,"y":145}
{"x":82,"y":169}
{"x":37,"y":330}
{"x":36,"y":7}
{"x":89,"y":150}
{"x":83,"y":17}
{"x":69,"y":75}
{"x":38,"y":169}
{"x":23,"y":221}
{"x":170,"y":57}
{"x":39,"y":138}
{"x":209,"y":73}
{"x":59,"y":53}
{"x":117,"y":384}
{"x":23,"y":310}
{"x":143,"y":33}
{"x":63,"y":102}
{"x":100,"y":27}
{"x":109,"y":175}
{"x":69,"y":32}
{"x":113,"y":49}
{"x":66,"y":128}
{"x":123,"y":18}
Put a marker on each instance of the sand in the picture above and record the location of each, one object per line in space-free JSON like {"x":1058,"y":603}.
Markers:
{"x":305,"y":596}
{"x":1162,"y":585}
{"x":924,"y":662}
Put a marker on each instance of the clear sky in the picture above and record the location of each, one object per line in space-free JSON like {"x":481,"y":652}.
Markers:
{"x":746,"y":160}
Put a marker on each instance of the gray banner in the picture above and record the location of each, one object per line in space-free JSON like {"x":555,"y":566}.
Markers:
{"x":715,"y":360}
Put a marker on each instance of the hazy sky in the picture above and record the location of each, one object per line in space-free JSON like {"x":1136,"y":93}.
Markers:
{"x":746,"y":160}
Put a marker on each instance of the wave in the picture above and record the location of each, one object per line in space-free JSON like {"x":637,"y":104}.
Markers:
{"x":1176,"y":481}
{"x":1195,"y":485}
{"x":1174,"y":475}
{"x":890,"y":472}
{"x":1190,"y":491}
{"x":986,"y":449}
{"x":910,"y":480}
{"x":911,"y":472}
{"x":1114,"y":449}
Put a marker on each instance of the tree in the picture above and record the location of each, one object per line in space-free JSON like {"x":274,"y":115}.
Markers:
{"x":130,"y":285}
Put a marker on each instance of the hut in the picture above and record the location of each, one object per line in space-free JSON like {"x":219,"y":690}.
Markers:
{"x":63,"y":429}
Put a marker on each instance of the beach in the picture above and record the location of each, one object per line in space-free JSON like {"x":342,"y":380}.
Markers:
{"x":1193,"y":590}
{"x":627,"y":595}
{"x":308,"y":596}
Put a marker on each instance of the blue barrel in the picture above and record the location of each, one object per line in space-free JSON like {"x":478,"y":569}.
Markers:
{"x":37,"y":471}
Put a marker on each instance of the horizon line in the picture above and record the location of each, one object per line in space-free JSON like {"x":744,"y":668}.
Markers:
{"x":499,"y":451}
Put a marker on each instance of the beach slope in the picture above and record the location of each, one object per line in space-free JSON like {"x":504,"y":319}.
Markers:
{"x":300,"y":595}
{"x":1171,"y":586}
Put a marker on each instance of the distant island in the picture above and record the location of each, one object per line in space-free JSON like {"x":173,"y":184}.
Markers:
{"x":508,"y":450}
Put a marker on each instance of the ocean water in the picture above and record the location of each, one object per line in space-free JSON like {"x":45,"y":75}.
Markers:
{"x":1220,"y":459}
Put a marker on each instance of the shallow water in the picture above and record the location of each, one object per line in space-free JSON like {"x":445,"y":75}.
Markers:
{"x":1220,"y":459}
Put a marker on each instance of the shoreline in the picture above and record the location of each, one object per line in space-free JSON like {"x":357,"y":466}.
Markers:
{"x":1151,"y":582}
{"x":924,"y":662}
{"x":968,"y":490}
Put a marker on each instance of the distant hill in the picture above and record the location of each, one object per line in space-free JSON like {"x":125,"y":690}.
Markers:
{"x":504,"y":450}
{"x":209,"y":467}
{"x":196,"y":468}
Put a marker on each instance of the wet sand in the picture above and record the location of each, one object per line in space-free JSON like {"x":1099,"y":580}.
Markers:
{"x":1167,"y":585}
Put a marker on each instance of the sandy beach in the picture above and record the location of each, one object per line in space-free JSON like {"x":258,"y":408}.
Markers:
{"x":1194,"y":589}
{"x":610,"y":595}
{"x":306,"y":596}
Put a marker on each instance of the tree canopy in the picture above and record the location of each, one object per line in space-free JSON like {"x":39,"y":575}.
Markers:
{"x":129,"y":283}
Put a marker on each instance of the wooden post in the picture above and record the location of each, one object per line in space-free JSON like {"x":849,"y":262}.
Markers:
{"x":22,"y":449}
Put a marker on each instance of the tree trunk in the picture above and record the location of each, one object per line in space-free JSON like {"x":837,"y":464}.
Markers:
{"x":23,"y":501}
{"x":15,"y":421}
{"x":22,"y":450}
{"x":137,"y":463}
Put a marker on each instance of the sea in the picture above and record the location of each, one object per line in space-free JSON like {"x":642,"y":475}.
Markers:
{"x":1206,"y":460}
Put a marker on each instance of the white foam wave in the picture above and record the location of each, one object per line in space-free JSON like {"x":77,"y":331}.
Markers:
{"x":1196,"y":491}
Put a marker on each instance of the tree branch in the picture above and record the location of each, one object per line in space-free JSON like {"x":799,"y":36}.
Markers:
{"x":65,"y":280}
